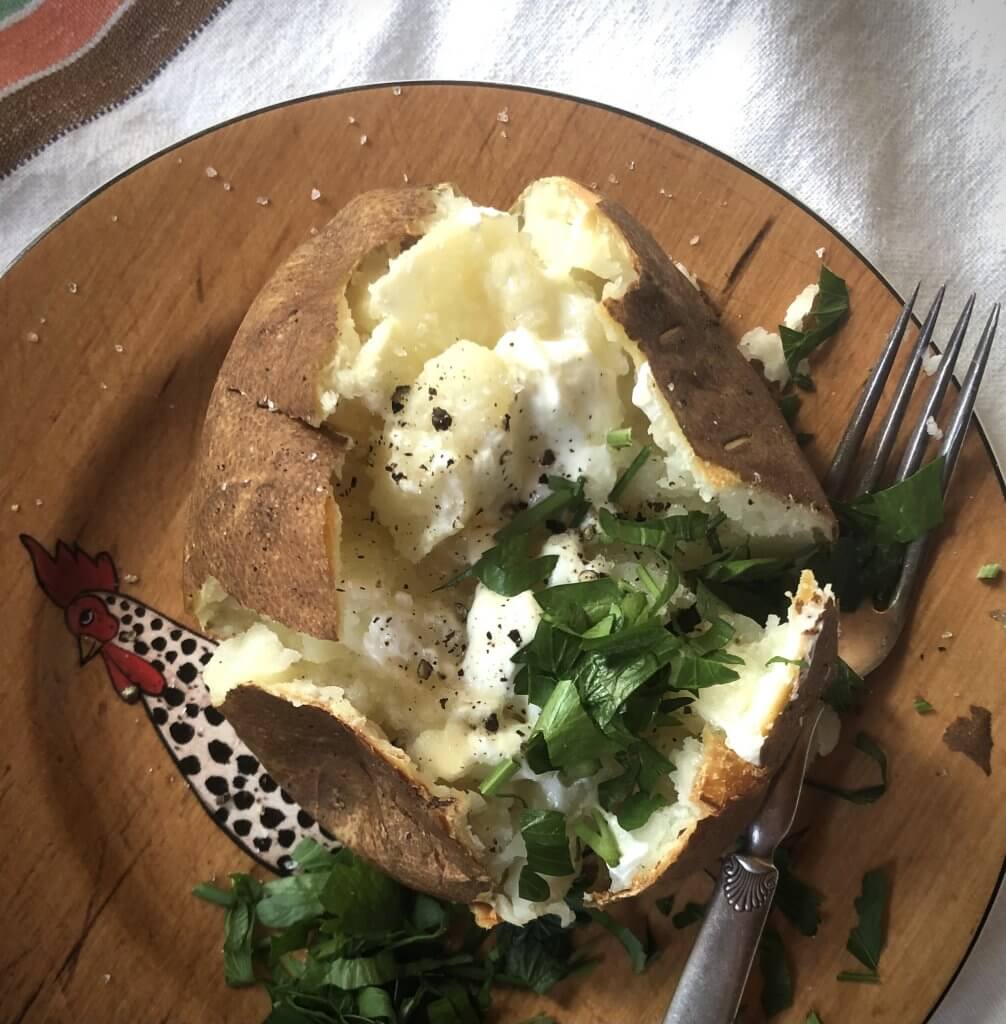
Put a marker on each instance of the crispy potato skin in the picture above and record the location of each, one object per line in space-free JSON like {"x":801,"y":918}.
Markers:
{"x":373,"y":805}
{"x":293,"y":326}
{"x":261,"y":513}
{"x":715,"y":394}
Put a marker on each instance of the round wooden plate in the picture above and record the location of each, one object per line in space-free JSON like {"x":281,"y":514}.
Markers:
{"x":115,"y":324}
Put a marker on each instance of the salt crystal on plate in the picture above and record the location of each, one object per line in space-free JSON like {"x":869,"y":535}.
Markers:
{"x":312,"y":457}
{"x":612,"y":179}
{"x":41,"y":319}
{"x":632,"y":165}
{"x":315,"y":194}
{"x":932,"y":428}
{"x":103,"y":386}
{"x":504,"y":116}
{"x":405,"y":178}
{"x":211,"y":172}
{"x":130,"y":577}
{"x":31,"y":336}
{"x":363,"y":139}
{"x":819,"y":253}
{"x":115,"y":218}
{"x":227,"y":186}
{"x":15,"y":507}
{"x":694,"y":240}
{"x":38,"y":503}
{"x":119,"y":348}
{"x":72,"y":287}
{"x":262,"y":200}
{"x":396,"y":91}
{"x":351,"y":119}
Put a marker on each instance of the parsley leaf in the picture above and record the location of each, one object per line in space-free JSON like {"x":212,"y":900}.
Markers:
{"x":800,"y":903}
{"x":508,"y":570}
{"x":565,"y":496}
{"x":596,"y":833}
{"x":546,"y":842}
{"x":829,"y":309}
{"x":845,"y":689}
{"x":640,"y":953}
{"x":531,"y":886}
{"x":866,"y":794}
{"x":922,"y":706}
{"x":626,"y":478}
{"x":812,"y":1018}
{"x":867,"y":938}
{"x":637,"y":810}
{"x":662,"y":534}
{"x":990,"y":571}
{"x":570,"y":735}
{"x":904,"y":511}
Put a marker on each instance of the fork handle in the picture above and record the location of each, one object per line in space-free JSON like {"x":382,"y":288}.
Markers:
{"x":713,"y":981}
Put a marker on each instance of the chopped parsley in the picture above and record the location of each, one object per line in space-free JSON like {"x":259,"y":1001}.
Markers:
{"x":340,"y":942}
{"x":620,"y":438}
{"x":922,"y":706}
{"x":866,"y":794}
{"x":830,"y":307}
{"x":990,"y":571}
{"x":867,"y":938}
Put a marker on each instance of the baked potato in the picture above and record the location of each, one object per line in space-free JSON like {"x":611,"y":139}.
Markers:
{"x":418,"y":383}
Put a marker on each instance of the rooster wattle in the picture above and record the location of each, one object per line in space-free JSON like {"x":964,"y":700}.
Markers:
{"x":153,"y":658}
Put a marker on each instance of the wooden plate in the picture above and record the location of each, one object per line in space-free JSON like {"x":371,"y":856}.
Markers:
{"x":102,"y":840}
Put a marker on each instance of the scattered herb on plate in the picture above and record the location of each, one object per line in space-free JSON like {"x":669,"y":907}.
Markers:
{"x":867,"y":938}
{"x":922,"y":706}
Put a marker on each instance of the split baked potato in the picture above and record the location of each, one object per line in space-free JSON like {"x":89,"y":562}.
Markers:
{"x":401,"y":398}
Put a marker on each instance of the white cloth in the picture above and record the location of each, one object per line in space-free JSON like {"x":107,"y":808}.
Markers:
{"x":885,"y":118}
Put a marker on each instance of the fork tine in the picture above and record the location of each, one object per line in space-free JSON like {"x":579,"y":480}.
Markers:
{"x":954,"y":440}
{"x":917,"y":442}
{"x":952,"y":443}
{"x":896,"y":413}
{"x":847,"y":448}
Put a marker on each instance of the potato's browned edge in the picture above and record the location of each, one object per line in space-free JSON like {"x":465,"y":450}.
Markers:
{"x":337,"y":775}
{"x":723,"y":406}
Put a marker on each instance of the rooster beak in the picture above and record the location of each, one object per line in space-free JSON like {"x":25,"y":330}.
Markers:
{"x":89,"y":647}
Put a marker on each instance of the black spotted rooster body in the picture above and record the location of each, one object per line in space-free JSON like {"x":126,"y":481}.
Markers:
{"x":150,"y":657}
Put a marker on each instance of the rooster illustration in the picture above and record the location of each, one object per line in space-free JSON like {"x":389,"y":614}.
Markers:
{"x":151,"y":658}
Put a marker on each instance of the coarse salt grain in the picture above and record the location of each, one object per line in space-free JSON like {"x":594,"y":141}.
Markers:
{"x":315,"y":194}
{"x":504,"y":116}
{"x":103,"y":386}
{"x":211,"y":172}
{"x":363,"y":139}
{"x":41,"y":319}
{"x":106,"y":978}
{"x":72,"y":287}
{"x":31,"y":336}
{"x":612,"y":179}
{"x":115,"y":218}
{"x":319,"y":489}
{"x":130,"y":577}
{"x":227,"y":186}
{"x":262,"y":200}
{"x":396,"y":91}
{"x":503,"y":134}
{"x":946,"y":636}
{"x":119,"y":348}
{"x":313,"y":231}
{"x":933,"y":429}
{"x":405,"y":178}
{"x":632,"y":165}
{"x":931,"y":363}
{"x":39,"y":503}
{"x":819,"y":253}
{"x":312,"y":457}
{"x":694,"y":240}
{"x":351,"y":119}
{"x":15,"y":507}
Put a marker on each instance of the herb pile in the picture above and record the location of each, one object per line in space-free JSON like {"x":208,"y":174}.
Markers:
{"x":338,"y":942}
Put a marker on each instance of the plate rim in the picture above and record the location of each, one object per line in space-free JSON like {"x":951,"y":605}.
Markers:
{"x":612,"y":109}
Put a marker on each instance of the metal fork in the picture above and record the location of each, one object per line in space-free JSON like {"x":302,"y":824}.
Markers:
{"x":716,"y":973}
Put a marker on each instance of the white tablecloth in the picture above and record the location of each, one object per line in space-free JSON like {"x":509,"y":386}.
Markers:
{"x":888,"y":118}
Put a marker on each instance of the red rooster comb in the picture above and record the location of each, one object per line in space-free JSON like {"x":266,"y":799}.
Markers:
{"x":70,"y":571}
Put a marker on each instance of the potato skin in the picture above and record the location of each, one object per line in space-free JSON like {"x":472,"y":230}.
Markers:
{"x":261,"y":513}
{"x":371,"y":803}
{"x":293,"y":326}
{"x":714,"y":393}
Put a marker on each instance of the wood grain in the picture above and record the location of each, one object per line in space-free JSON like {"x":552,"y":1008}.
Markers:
{"x":101,"y":842}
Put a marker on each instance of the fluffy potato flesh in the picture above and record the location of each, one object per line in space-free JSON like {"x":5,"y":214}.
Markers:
{"x":480,"y":361}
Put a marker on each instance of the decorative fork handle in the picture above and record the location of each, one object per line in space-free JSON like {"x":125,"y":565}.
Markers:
{"x":713,"y":981}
